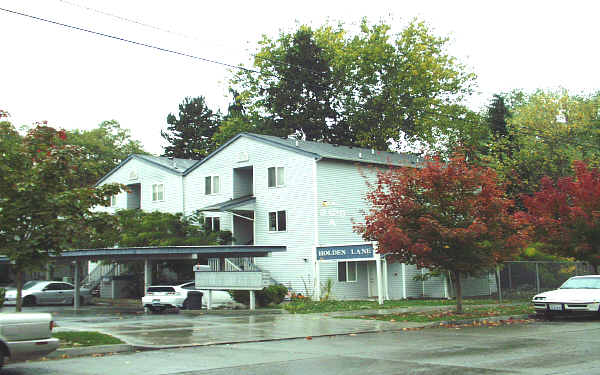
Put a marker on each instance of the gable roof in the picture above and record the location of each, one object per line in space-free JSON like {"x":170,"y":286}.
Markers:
{"x":317,"y":150}
{"x":322,"y":150}
{"x":173,"y":165}
{"x":348,"y":153}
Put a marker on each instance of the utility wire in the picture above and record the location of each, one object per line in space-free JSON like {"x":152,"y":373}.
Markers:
{"x":128,"y":40}
{"x":169,"y":31}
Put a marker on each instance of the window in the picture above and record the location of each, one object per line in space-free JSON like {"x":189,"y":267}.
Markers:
{"x":158,"y":192}
{"x":211,"y":185}
{"x":212,"y":224}
{"x":113,"y":200}
{"x":347,"y":272}
{"x":276,"y":177}
{"x":277,"y":221}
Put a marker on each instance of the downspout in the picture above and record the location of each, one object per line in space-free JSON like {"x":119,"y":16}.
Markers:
{"x":317,"y":271}
{"x":182,"y":196}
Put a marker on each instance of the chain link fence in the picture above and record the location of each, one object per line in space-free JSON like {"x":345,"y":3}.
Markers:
{"x":523,"y":279}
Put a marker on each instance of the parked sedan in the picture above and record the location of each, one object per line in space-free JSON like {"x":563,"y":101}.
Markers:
{"x":579,"y":294}
{"x":47,"y":292}
{"x":25,"y":336}
{"x":161,"y":297}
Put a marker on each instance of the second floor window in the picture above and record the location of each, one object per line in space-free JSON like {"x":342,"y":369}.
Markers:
{"x":211,"y":185}
{"x":158,"y":192}
{"x":277,"y":221}
{"x":276,"y":176}
{"x":212,"y":224}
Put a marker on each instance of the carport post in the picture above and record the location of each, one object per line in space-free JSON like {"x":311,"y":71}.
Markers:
{"x":379,"y":282}
{"x":147,"y":274}
{"x":77,"y":294}
{"x":252,"y":300}
{"x":209,"y":300}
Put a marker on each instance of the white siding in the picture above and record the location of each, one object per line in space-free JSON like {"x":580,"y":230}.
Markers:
{"x":147,"y":175}
{"x":342,"y":189}
{"x":345,"y":290}
{"x":294,"y":267}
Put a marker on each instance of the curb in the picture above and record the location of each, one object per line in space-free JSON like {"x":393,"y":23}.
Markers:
{"x":234,"y":312}
{"x":471,"y":321}
{"x":90,"y":350}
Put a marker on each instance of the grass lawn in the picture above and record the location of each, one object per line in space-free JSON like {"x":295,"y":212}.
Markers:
{"x":307,"y":306}
{"x":450,"y":315}
{"x":85,"y":338}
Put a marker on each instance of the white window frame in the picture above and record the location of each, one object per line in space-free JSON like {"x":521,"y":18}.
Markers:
{"x":211,"y":219}
{"x":276,"y":221}
{"x":113,"y":200}
{"x":337,"y":270}
{"x":212,"y":185}
{"x":155,"y":191}
{"x":278,"y":183}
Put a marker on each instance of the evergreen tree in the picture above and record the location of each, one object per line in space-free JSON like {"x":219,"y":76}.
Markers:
{"x":190,"y":134}
{"x":497,"y":116}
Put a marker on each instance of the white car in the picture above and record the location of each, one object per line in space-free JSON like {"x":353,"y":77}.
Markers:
{"x":579,"y":294}
{"x":26,"y":336}
{"x":46,"y":293}
{"x":161,"y":297}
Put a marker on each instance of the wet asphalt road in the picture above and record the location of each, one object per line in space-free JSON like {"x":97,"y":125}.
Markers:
{"x":558,"y":347}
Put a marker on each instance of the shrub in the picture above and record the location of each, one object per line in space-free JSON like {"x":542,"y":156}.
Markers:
{"x":273,"y":294}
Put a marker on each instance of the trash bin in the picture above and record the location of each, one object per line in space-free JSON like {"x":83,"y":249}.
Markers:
{"x":194,"y":300}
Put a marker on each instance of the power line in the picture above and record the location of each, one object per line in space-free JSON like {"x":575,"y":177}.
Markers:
{"x":169,"y":31}
{"x":128,"y":40}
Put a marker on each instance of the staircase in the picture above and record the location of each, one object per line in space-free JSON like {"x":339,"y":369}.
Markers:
{"x":243,"y":264}
{"x":93,"y":279}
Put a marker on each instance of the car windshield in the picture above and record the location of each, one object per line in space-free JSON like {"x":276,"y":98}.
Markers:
{"x":30,"y":284}
{"x":582,"y":283}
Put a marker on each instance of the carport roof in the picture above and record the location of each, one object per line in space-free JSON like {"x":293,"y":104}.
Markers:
{"x":170,"y":252}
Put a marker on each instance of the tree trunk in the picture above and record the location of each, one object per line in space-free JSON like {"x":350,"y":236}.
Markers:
{"x":19,"y":277}
{"x":458,"y":291}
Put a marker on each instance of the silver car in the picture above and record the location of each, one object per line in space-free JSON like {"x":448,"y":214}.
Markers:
{"x":47,"y":293}
{"x":26,"y":336}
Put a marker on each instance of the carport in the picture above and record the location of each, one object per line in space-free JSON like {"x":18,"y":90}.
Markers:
{"x":220,"y":254}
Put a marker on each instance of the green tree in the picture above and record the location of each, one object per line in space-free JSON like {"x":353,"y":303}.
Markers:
{"x":42,"y":203}
{"x":105,"y":147}
{"x":497,"y":116}
{"x":139,"y":228}
{"x":368,"y":89}
{"x":448,"y":217}
{"x":547,"y":131}
{"x":190,"y":134}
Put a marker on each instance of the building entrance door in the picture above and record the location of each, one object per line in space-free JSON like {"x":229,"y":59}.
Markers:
{"x":372,"y":276}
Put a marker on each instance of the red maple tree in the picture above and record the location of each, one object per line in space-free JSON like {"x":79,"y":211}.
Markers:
{"x":565,"y":214}
{"x":445,"y":216}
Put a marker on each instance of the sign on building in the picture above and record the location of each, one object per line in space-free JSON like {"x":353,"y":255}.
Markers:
{"x":364,"y":251}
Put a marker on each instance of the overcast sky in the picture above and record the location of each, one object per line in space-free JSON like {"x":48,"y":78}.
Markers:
{"x":76,"y":80}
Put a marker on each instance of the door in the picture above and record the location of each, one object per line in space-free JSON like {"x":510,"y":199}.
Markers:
{"x":372,"y":276}
{"x":50,"y":293}
{"x":66,"y":293}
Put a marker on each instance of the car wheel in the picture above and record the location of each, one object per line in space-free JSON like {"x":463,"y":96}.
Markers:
{"x":29,"y":301}
{"x":186,"y":304}
{"x":1,"y":358}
